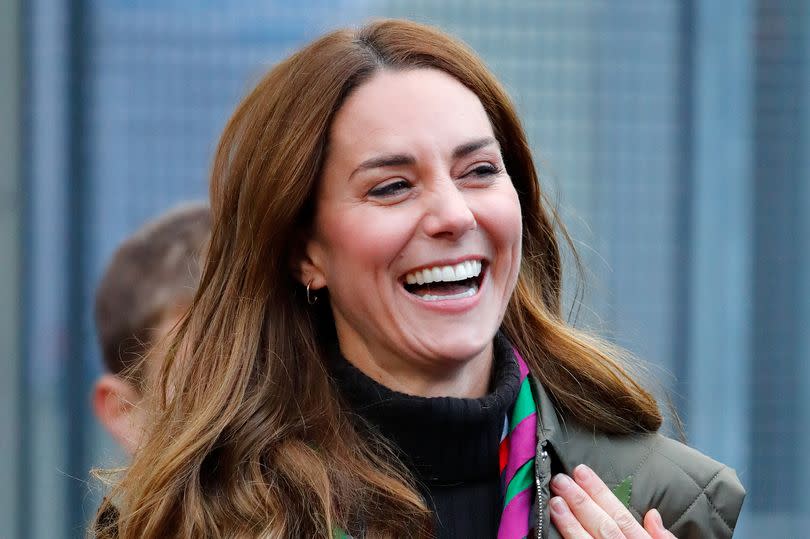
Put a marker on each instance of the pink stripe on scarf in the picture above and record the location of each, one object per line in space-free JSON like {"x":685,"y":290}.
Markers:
{"x":514,"y":521}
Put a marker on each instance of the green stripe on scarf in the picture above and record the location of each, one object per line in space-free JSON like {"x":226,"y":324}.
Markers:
{"x":524,"y":405}
{"x":523,"y":478}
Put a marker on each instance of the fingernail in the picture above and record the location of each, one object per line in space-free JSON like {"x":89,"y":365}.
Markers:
{"x":583,"y":473}
{"x":657,"y":518}
{"x":561,"y":482}
{"x":558,"y":506}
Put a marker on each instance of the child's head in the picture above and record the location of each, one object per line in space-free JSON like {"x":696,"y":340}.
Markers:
{"x":148,"y":285}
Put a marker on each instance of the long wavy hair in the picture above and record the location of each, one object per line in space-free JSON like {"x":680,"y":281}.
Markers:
{"x":250,"y":438}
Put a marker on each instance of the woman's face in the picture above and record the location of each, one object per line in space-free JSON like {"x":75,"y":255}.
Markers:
{"x":417,"y":232}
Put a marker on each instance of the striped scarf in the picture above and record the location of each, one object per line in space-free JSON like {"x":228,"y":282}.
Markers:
{"x":516,"y":452}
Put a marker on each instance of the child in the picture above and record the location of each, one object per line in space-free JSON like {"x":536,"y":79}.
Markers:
{"x":145,"y":290}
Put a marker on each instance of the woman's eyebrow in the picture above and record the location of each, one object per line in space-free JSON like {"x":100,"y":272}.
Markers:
{"x":390,"y":160}
{"x":469,"y":147}
{"x":402,"y":159}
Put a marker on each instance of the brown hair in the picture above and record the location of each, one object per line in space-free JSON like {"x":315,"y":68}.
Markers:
{"x":153,"y":272}
{"x":253,"y":439}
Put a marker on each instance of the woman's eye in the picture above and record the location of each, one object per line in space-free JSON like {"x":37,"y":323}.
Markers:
{"x":487,"y":169}
{"x":390,"y":189}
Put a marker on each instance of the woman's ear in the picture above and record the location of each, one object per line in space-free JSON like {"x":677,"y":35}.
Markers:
{"x":116,"y":404}
{"x":308,"y":266}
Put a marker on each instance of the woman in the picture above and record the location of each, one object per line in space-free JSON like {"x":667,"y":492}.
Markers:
{"x":377,"y":348}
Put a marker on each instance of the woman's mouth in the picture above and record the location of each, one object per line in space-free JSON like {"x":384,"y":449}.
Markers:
{"x":441,"y":283}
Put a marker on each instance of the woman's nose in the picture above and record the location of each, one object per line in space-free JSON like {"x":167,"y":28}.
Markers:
{"x":448,"y":212}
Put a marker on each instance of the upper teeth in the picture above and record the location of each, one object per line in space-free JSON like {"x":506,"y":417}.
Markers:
{"x":459,"y":272}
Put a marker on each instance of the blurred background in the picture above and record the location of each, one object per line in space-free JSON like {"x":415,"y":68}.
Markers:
{"x":673,"y":134}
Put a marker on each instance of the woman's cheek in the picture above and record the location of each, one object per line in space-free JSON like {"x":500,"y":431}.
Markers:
{"x":500,"y":215}
{"x":372,"y":234}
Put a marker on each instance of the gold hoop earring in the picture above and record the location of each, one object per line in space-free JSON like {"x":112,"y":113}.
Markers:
{"x":312,"y":299}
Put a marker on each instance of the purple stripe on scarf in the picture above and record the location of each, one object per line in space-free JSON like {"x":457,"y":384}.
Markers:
{"x":522,"y":442}
{"x":524,"y":370}
{"x":514,"y":519}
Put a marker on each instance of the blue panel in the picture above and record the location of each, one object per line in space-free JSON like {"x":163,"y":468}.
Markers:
{"x":776,"y":327}
{"x":719,"y":315}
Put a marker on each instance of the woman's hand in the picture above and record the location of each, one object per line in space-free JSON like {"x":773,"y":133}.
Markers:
{"x":584,"y":507}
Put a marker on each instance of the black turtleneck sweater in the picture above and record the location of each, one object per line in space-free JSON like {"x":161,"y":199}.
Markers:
{"x":450,"y":445}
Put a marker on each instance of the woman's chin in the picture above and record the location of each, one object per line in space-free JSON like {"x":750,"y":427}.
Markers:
{"x":458,"y":348}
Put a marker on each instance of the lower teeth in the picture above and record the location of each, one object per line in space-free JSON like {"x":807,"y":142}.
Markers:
{"x":466,"y":294}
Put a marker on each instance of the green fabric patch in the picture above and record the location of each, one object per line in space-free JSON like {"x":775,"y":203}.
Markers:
{"x":623,"y":491}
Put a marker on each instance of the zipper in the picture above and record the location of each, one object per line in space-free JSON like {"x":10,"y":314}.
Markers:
{"x":540,"y":501}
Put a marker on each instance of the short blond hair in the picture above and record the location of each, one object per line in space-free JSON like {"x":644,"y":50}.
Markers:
{"x":153,"y":272}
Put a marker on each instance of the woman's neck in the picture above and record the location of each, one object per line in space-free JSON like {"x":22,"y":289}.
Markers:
{"x":443,"y":440}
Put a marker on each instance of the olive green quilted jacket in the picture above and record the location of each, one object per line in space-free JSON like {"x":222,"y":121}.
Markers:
{"x":698,"y":498}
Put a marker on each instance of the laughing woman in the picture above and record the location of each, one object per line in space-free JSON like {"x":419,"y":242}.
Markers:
{"x":377,"y":347}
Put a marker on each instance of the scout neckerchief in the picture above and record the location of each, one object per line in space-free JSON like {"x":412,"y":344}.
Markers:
{"x":516,"y":461}
{"x":517,"y":450}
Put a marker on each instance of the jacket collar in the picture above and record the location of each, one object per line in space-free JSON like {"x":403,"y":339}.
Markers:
{"x":563,"y":436}
{"x":548,"y":424}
